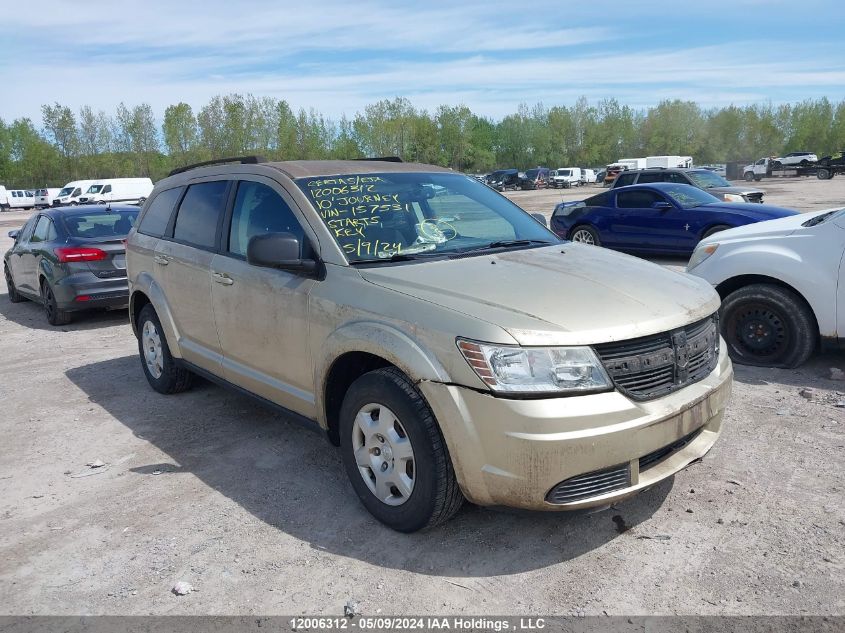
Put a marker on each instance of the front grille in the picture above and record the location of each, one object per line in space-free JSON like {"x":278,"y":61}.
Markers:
{"x":655,"y":457}
{"x":653,"y":366}
{"x":754,"y":197}
{"x":591,"y":485}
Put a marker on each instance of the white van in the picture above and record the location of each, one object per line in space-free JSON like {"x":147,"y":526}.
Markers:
{"x":567,"y":177}
{"x":44,"y":197}
{"x":117,"y":190}
{"x":588,"y":176}
{"x":70,"y":193}
{"x":21,"y":199}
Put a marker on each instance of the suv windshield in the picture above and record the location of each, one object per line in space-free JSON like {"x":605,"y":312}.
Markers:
{"x":688,"y":197}
{"x":706,"y":179}
{"x":374,"y":217}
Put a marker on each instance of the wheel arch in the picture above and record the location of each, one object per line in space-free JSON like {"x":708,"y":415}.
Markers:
{"x":361,"y":347}
{"x":146,"y":291}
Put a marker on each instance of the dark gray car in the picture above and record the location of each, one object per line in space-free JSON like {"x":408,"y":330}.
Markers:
{"x":705,"y":179}
{"x":71,"y":259}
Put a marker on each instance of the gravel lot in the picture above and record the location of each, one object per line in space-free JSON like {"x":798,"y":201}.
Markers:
{"x":256,"y":513}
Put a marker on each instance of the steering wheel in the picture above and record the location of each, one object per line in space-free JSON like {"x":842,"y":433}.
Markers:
{"x":436,"y":231}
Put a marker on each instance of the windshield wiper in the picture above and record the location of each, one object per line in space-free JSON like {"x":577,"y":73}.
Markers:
{"x":502,"y":244}
{"x":398,"y":257}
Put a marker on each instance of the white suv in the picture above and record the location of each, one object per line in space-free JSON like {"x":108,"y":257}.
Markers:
{"x":782,"y":284}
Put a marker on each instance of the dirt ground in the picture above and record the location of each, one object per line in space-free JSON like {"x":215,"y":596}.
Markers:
{"x":256,"y":513}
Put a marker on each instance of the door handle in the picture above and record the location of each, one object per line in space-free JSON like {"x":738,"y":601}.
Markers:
{"x":161,"y":259}
{"x":222,"y":278}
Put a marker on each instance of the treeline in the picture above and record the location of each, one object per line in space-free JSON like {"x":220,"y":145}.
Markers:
{"x":132,"y":142}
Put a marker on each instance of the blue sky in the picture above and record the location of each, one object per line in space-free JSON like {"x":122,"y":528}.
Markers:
{"x":339,"y":56}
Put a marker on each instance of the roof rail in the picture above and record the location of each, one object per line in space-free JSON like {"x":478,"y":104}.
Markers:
{"x":385,"y":159}
{"x":243,"y":160}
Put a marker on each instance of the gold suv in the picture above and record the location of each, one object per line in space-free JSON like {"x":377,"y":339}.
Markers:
{"x":445,"y":339}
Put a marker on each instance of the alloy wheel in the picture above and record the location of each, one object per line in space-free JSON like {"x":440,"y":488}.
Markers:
{"x":583,"y":236}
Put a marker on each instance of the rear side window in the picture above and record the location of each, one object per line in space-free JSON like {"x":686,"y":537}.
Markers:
{"x":43,"y":230}
{"x":652,"y":177}
{"x":678,"y":178}
{"x":259,"y":210}
{"x":624,"y":180}
{"x":157,"y":216}
{"x":199,"y":214}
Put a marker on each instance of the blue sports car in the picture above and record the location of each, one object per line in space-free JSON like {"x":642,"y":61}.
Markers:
{"x":663,"y":217}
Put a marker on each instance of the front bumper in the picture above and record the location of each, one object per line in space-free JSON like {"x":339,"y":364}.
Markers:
{"x":515,"y":452}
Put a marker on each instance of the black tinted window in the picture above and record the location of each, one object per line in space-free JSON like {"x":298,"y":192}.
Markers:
{"x":199,"y":214}
{"x":93,"y":225}
{"x":624,"y":180}
{"x":677,"y":177}
{"x":651,"y":177}
{"x":258,"y":210}
{"x":601,"y":200}
{"x":157,"y":215}
{"x":42,"y":229}
{"x":638,"y":199}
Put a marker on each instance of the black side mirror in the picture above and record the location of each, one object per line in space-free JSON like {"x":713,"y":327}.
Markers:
{"x":14,"y":234}
{"x":540,"y":218}
{"x":662,"y":206}
{"x":279,"y":250}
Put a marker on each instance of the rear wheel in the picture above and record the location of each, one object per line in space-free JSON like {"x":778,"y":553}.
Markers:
{"x":585,"y":235}
{"x":162,"y":372}
{"x":394,"y":453}
{"x":54,"y":314}
{"x":767,"y":325}
{"x":823,"y":174}
{"x":14,"y":295}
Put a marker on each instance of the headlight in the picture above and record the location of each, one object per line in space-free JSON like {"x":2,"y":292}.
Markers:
{"x":702,"y":252}
{"x":733,"y":197}
{"x":511,"y":369}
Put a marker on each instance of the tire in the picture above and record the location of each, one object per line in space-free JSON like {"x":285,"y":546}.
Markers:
{"x":779,"y":327}
{"x":54,"y":314}
{"x":758,"y":178}
{"x":430,"y":495}
{"x":715,"y":229}
{"x":162,"y":372}
{"x":805,"y":163}
{"x":14,"y":295}
{"x":823,"y":174}
{"x":585,"y":234}
{"x":74,"y":204}
{"x":749,"y":176}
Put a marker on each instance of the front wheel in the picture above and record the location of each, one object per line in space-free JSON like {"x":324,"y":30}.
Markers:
{"x":162,"y":372}
{"x":585,"y":235}
{"x":749,"y":176}
{"x":823,"y":174}
{"x":394,"y":454}
{"x":768,"y":326}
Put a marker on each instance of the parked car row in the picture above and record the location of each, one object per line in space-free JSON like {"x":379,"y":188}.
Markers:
{"x":539,"y":178}
{"x":102,"y":191}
